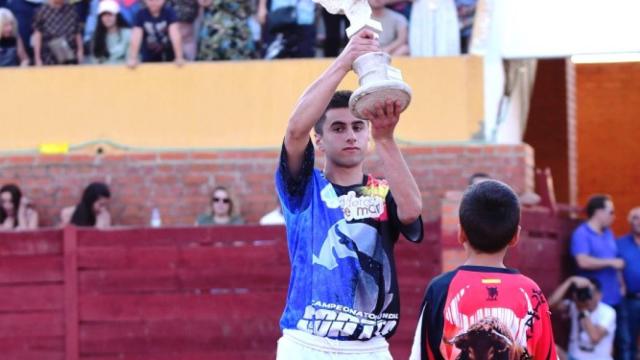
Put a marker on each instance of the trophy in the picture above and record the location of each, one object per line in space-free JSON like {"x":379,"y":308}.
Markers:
{"x":378,"y":80}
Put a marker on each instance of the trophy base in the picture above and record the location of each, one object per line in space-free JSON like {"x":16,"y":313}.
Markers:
{"x":367,"y":96}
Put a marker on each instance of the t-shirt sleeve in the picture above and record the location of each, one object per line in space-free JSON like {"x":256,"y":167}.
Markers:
{"x":541,"y":340}
{"x":38,"y":21}
{"x":579,"y":243}
{"x":607,"y":321}
{"x":138,"y":20}
{"x":414,"y":231}
{"x":171,"y":15}
{"x":294,"y":190}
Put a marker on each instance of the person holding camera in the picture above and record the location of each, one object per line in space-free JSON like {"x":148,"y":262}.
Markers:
{"x":593,"y":323}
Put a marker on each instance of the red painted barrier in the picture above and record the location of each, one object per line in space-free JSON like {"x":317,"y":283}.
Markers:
{"x":172,"y":293}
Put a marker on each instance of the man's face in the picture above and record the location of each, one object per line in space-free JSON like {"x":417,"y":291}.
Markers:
{"x":7,"y":204}
{"x":154,"y":5}
{"x":634,"y":221}
{"x":591,"y":304}
{"x":606,"y":215}
{"x":345,"y":138}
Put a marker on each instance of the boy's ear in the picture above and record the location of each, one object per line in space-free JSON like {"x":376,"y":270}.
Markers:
{"x":462,"y":237}
{"x":516,"y":237}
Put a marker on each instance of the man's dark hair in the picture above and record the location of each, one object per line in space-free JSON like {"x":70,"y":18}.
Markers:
{"x":478,"y":175}
{"x":340,"y":99}
{"x":596,"y":283}
{"x":489,"y":215}
{"x":595,"y":203}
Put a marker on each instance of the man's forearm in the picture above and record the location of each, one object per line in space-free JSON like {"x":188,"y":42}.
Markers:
{"x":314,"y":101}
{"x":592,"y":263}
{"x":401,"y":182}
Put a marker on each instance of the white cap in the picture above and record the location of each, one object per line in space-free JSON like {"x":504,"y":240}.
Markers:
{"x":108,"y":6}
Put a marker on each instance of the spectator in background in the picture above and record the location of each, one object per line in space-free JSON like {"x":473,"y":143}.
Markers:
{"x":57,"y":38}
{"x":294,"y":41}
{"x":155,"y":36}
{"x":222,"y":210}
{"x":223,"y":30}
{"x":111,"y":39}
{"x":25,"y":11}
{"x":594,"y":248}
{"x":93,"y":209}
{"x":186,"y":14}
{"x":629,"y":316}
{"x":334,"y":29}
{"x":466,"y":15}
{"x":16,"y":211}
{"x":434,"y":29}
{"x":394,"y":36}
{"x":478,"y":177}
{"x":593,"y":323}
{"x":274,"y":217}
{"x":400,"y":6}
{"x":12,"y":50}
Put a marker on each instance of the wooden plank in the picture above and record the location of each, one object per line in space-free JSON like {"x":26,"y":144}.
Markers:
{"x":43,"y":242}
{"x":181,"y":236}
{"x":148,"y":307}
{"x":31,"y":298}
{"x":49,"y":323}
{"x":32,"y":348}
{"x":72,"y":346}
{"x":251,"y":276}
{"x":269,"y":354}
{"x":30,"y":269}
{"x":161,"y":337}
{"x":170,"y":257}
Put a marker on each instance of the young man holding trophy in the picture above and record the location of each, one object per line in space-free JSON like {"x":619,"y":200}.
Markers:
{"x":342,"y":224}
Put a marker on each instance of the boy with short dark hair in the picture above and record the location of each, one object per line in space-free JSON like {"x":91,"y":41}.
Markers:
{"x":483,"y":310}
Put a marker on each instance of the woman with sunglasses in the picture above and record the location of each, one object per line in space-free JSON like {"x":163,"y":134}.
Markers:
{"x":221,"y":210}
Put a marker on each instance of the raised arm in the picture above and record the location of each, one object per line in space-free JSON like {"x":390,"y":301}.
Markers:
{"x":316,"y":97}
{"x":134,"y":46}
{"x":401,"y":182}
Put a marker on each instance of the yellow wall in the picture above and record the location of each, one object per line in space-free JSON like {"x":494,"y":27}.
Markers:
{"x":214,"y":105}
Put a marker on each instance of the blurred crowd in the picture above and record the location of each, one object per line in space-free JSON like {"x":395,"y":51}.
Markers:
{"x":64,"y":32}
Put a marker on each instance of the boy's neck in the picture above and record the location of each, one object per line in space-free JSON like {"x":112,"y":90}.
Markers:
{"x":489,"y":260}
{"x":342,"y":175}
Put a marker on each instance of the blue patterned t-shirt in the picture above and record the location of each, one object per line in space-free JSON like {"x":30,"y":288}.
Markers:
{"x":343,"y":281}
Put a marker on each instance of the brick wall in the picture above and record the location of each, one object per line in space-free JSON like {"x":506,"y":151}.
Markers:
{"x":179,"y":184}
{"x":607,"y":103}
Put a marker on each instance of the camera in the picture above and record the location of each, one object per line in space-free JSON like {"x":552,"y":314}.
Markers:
{"x":581,"y":294}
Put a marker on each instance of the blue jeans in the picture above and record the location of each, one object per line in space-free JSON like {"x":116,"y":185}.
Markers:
{"x":24,"y":12}
{"x":628,"y":313}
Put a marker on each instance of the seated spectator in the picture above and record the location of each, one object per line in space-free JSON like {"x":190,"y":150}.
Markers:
{"x":221,"y":211}
{"x":111,"y":39}
{"x":466,"y":14}
{"x":288,"y":40}
{"x":57,"y":38}
{"x":16,"y":211}
{"x":93,"y":209}
{"x":395,"y":28}
{"x":434,"y":29}
{"x":155,"y":36}
{"x":186,"y":14}
{"x":274,"y":217}
{"x":12,"y":50}
{"x":593,"y":323}
{"x":223,"y":30}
